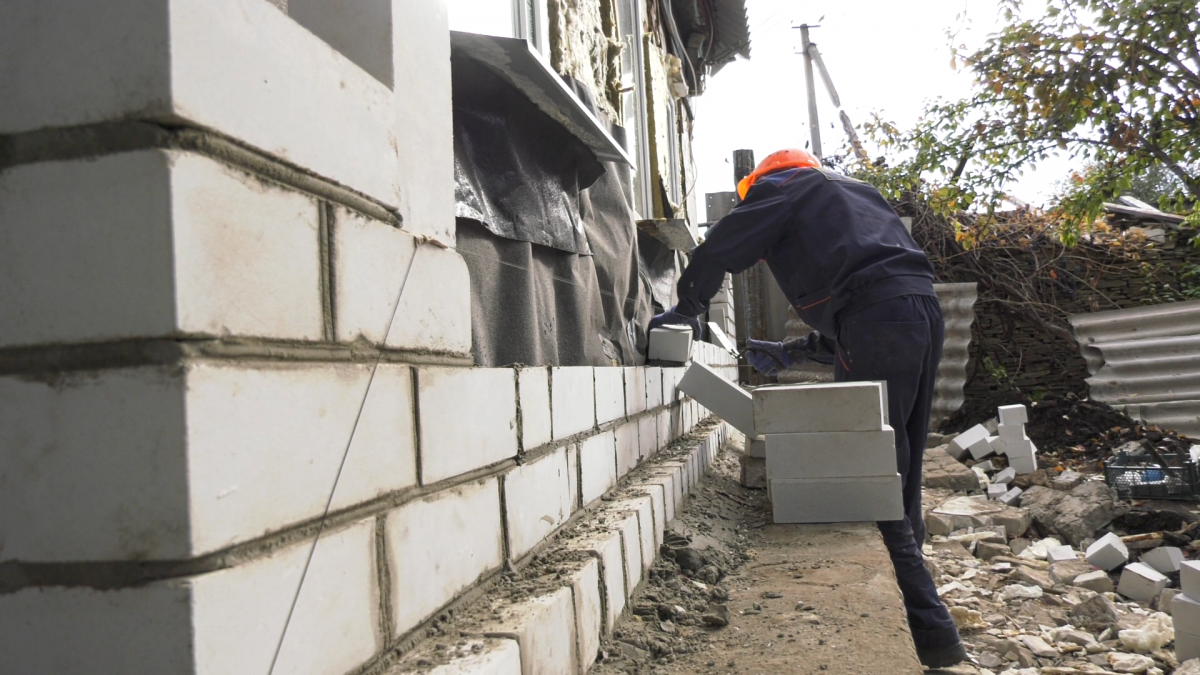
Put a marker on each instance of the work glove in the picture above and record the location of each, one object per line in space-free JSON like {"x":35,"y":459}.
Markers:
{"x":673,"y":318}
{"x":812,"y":347}
{"x":768,"y":358}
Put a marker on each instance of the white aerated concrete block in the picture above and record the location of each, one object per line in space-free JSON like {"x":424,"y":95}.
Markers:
{"x":1185,"y":613}
{"x":1013,"y":414}
{"x":658,"y":511}
{"x":1005,"y":476}
{"x":589,"y":611}
{"x":960,"y":445}
{"x":643,"y":508}
{"x":725,"y":399}
{"x":211,"y":455}
{"x":434,"y":313}
{"x":1164,"y":560}
{"x":572,"y":400}
{"x":440,"y":545}
{"x":1012,"y":497}
{"x":670,"y":343}
{"x":837,"y":500}
{"x":544,"y":627}
{"x":831,"y":455}
{"x":981,"y":449}
{"x":648,"y":443}
{"x":449,"y":445}
{"x":1189,"y":578}
{"x":222,"y":622}
{"x":606,"y":547}
{"x":654,"y":388}
{"x":628,"y":451}
{"x":373,"y":282}
{"x":631,"y":548}
{"x":597,"y":466}
{"x":538,"y":499}
{"x":573,"y":476}
{"x":1023,"y":464}
{"x":497,"y":656}
{"x":635,"y":391}
{"x":610,"y":394}
{"x":996,"y":491}
{"x":809,"y":408}
{"x":1141,"y":582}
{"x":154,"y":243}
{"x":534,"y":387}
{"x":1107,"y":552}
{"x":1187,"y":645}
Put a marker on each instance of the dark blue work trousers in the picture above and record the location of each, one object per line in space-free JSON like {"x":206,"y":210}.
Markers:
{"x":900,"y":341}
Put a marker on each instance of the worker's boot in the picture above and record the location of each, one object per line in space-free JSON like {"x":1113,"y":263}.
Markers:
{"x":942,"y":657}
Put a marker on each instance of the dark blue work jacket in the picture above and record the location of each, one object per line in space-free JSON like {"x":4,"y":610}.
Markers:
{"x":832,"y":242}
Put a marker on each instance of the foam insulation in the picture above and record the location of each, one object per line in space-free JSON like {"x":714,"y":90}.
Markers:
{"x":584,"y":45}
{"x":659,"y":98}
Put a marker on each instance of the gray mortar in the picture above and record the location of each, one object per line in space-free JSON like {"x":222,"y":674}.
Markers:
{"x":383,"y":569}
{"x":47,"y":362}
{"x":326,"y":284}
{"x":95,"y":140}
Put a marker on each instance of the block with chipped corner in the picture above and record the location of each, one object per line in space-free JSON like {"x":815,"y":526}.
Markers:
{"x":1141,"y":582}
{"x":831,"y":455}
{"x":837,"y":500}
{"x":724,"y":398}
{"x":1005,"y":476}
{"x":1165,"y":560}
{"x":960,"y":445}
{"x":1013,"y":414}
{"x":1189,"y":578}
{"x":1107,"y":552}
{"x":812,"y":408}
{"x":670,"y":343}
{"x":996,"y":491}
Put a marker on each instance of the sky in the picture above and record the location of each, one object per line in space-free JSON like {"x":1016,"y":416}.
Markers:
{"x":884,"y":56}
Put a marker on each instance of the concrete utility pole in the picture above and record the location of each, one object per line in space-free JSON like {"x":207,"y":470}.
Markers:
{"x":814,"y":125}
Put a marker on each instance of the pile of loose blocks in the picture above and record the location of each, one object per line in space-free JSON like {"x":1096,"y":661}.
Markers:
{"x":830,"y":455}
{"x":1010,"y":441}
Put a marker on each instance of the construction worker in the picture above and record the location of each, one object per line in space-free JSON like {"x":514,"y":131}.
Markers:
{"x":851,"y":270}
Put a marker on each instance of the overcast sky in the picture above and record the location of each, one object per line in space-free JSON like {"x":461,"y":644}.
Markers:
{"x":884,"y":56}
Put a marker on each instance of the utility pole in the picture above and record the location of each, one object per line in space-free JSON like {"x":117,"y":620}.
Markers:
{"x":814,"y":125}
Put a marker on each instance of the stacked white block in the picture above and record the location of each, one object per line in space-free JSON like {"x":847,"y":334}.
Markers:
{"x":671,"y":343}
{"x":1185,"y":612}
{"x":830,"y":457}
{"x":1012,"y":441}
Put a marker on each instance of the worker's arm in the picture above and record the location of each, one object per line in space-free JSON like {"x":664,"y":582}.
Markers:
{"x":736,"y":242}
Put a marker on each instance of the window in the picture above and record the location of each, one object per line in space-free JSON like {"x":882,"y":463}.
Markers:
{"x":503,"y":18}
{"x":633,"y":101}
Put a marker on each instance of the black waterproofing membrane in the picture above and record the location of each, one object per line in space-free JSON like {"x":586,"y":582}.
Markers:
{"x":559,"y":274}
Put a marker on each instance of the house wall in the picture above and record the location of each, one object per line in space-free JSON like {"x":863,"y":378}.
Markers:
{"x":239,"y":426}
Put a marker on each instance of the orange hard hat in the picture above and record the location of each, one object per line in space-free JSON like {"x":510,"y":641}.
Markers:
{"x":790,"y":158}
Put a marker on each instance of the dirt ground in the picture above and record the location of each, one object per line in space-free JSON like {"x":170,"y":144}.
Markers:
{"x":799,"y":598}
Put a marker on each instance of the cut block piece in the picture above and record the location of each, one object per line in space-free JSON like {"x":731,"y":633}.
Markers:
{"x":757,"y":447}
{"x":1141,"y":582}
{"x":1107,"y":552}
{"x":544,"y":627}
{"x":996,"y":491}
{"x":1023,"y":463}
{"x":960,"y":445}
{"x":1011,"y":433}
{"x":837,"y":500}
{"x":1012,"y":497}
{"x":1013,"y":414}
{"x":1005,"y":477}
{"x":727,"y":400}
{"x":831,"y":455}
{"x":997,"y":445}
{"x":1189,"y":578}
{"x":1164,"y":560}
{"x":812,"y":408}
{"x":671,"y":343}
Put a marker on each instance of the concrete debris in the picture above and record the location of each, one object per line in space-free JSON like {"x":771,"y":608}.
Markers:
{"x":1097,"y":581}
{"x":960,"y":446}
{"x":1107,"y":552}
{"x":1074,"y":515}
{"x":1020,"y":592}
{"x":1130,"y":663}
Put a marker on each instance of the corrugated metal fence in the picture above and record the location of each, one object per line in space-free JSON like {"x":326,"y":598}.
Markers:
{"x":1146,"y":360}
{"x":958,"y":310}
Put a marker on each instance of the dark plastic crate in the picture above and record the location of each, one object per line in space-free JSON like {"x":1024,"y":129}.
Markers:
{"x":1143,"y":478}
